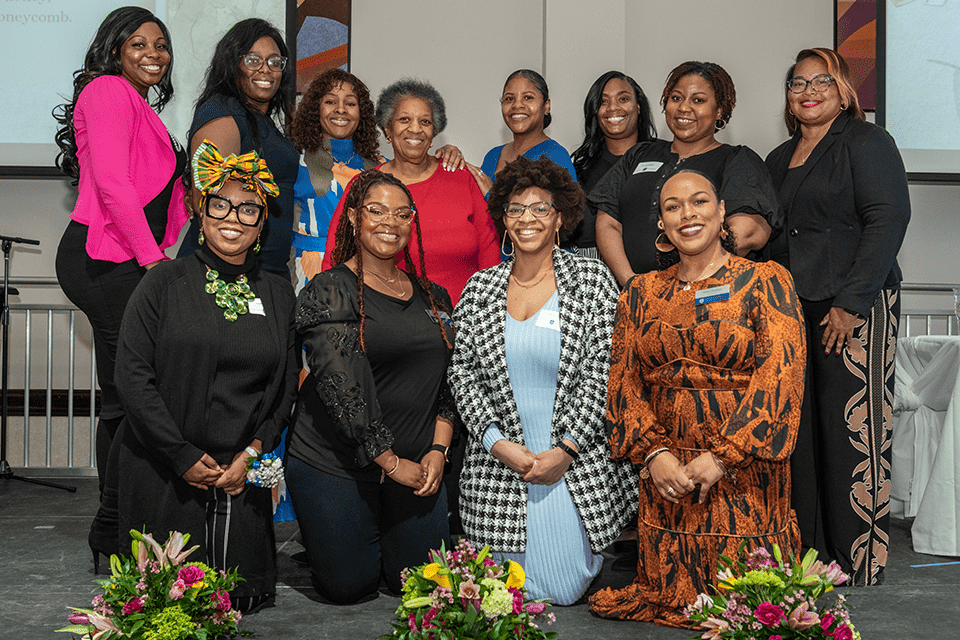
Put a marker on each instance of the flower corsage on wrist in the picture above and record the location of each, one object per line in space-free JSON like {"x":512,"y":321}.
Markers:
{"x":263,"y":469}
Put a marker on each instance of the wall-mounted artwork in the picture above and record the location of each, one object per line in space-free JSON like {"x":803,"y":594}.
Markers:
{"x":323,"y":38}
{"x":855,"y":38}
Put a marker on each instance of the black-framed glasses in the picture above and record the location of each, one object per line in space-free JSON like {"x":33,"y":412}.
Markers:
{"x":538,"y":209}
{"x":403,"y":215}
{"x":820,"y":83}
{"x":248,"y":213}
{"x":253,"y":62}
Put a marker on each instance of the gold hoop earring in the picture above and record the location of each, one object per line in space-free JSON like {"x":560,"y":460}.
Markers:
{"x":663,"y":244}
{"x":503,"y":246}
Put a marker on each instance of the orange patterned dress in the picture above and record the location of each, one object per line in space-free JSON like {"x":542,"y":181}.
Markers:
{"x":724,"y":376}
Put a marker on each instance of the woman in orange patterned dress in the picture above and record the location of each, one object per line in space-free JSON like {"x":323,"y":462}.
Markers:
{"x":705,"y":389}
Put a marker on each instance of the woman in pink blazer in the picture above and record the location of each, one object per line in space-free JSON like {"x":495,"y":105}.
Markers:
{"x":130,"y":203}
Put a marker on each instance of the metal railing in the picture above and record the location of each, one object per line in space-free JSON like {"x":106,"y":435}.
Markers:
{"x":48,"y":335}
{"x":941,"y":321}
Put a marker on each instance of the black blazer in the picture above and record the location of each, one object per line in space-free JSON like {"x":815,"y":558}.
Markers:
{"x":846,"y":220}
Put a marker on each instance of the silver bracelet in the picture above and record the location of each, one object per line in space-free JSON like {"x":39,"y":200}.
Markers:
{"x":253,"y":452}
{"x":653,"y":455}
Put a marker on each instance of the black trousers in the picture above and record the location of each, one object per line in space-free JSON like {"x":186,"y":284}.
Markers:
{"x":357,"y":532}
{"x":841,"y":465}
{"x":101,"y":290}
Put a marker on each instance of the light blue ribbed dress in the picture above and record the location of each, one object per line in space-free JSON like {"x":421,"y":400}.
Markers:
{"x":558,"y":562}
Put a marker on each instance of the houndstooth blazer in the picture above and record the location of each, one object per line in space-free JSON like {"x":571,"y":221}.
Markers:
{"x":494,"y":497}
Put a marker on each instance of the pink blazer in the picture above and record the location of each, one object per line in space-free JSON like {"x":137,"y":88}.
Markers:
{"x":125,"y":162}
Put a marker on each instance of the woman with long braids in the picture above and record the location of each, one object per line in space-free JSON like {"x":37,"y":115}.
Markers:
{"x":374,"y":418}
{"x":130,"y":202}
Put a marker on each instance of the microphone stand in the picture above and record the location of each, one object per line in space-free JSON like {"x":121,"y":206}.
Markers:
{"x":6,"y":473}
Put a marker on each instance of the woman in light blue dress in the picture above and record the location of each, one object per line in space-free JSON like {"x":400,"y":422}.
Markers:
{"x":529,"y":374}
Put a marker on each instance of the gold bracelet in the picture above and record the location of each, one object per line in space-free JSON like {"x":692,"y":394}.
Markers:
{"x":395,"y":467}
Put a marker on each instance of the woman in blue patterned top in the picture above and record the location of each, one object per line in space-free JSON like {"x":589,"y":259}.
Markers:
{"x":529,"y":374}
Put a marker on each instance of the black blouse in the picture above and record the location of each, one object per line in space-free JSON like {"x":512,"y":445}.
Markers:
{"x":355,"y":405}
{"x":629,"y":190}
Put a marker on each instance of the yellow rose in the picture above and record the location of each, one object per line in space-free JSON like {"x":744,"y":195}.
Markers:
{"x":432,"y":572}
{"x":516,"y":576}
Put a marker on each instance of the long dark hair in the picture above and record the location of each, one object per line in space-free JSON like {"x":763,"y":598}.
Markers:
{"x":103,"y":59}
{"x":347,"y":242}
{"x":594,"y":141}
{"x":223,"y":74}
{"x":306,"y":130}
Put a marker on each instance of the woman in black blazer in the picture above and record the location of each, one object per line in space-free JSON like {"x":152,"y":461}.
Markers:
{"x":843,"y":189}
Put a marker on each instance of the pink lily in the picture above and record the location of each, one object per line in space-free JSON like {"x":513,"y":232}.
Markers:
{"x":802,"y":618}
{"x":834,"y":574}
{"x":715,"y":628}
{"x":103,"y":625}
{"x":174,"y":548}
{"x":143,"y":556}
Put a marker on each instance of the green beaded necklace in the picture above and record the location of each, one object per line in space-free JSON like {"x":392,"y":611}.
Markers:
{"x":232,"y":298}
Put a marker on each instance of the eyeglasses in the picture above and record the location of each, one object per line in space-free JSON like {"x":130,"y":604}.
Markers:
{"x":403,"y":215}
{"x":820,"y":83}
{"x":253,"y":62}
{"x":248,"y":213}
{"x":538,"y":209}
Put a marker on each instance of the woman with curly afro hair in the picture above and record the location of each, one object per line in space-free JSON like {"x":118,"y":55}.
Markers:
{"x":529,"y":374}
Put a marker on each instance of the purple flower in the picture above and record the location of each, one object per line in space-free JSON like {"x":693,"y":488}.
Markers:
{"x":190,"y":575}
{"x":134,"y":605}
{"x":769,"y":614}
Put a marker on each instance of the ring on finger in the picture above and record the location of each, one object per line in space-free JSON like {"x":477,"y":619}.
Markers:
{"x":670,"y":490}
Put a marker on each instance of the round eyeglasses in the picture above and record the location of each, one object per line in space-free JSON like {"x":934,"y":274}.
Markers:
{"x":248,"y":213}
{"x":538,"y":209}
{"x":403,"y":215}
{"x":820,"y":83}
{"x":254,"y":61}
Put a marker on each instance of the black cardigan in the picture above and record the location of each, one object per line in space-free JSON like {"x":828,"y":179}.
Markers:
{"x":848,"y":216}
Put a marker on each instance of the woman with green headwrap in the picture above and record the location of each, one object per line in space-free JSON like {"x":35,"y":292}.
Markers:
{"x":206,"y":373}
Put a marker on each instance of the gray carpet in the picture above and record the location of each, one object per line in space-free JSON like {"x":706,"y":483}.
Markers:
{"x":45,"y":566}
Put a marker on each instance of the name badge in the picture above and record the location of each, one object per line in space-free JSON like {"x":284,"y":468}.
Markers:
{"x":647,"y":167}
{"x":713,"y":294}
{"x":444,"y":317}
{"x":255,"y":307}
{"x":549,"y":320}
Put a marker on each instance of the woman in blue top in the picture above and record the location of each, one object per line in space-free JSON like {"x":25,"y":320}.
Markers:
{"x":529,"y":374}
{"x":525,"y":105}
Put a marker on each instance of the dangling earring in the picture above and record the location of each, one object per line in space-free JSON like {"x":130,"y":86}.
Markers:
{"x":256,"y":247}
{"x":201,"y":239}
{"x":663,"y":244}
{"x":558,"y":236}
{"x":503,"y":246}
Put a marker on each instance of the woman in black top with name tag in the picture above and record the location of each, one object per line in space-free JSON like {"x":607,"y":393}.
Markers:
{"x":698,"y":100}
{"x":374,"y":418}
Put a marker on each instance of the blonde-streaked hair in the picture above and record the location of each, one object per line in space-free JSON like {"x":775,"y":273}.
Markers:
{"x":836,"y":67}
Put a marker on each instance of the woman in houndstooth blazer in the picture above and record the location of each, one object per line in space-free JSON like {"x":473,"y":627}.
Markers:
{"x":529,"y":374}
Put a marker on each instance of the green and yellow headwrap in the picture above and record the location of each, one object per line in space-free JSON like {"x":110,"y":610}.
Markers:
{"x":211,"y":170}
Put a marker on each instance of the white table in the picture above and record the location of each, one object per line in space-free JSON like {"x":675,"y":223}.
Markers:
{"x":926,"y":442}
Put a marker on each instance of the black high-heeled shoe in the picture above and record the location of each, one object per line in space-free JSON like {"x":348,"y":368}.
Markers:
{"x":96,"y":560}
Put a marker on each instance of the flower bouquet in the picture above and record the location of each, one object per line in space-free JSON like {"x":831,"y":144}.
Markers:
{"x":465,"y":594}
{"x":154,"y":596}
{"x":763,"y":598}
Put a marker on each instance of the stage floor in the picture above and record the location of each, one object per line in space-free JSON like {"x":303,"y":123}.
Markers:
{"x":45,"y":565}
